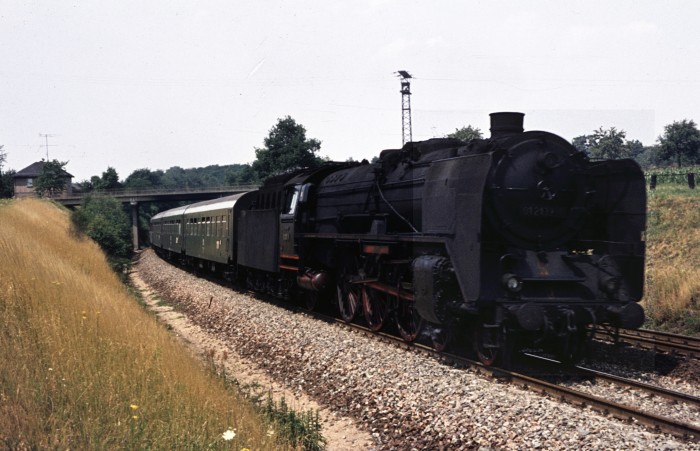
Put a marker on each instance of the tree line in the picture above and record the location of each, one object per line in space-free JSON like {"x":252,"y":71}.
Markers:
{"x":679,"y":145}
{"x":287,"y":148}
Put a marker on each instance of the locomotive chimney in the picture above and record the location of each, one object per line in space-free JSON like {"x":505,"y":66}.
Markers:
{"x":503,"y":124}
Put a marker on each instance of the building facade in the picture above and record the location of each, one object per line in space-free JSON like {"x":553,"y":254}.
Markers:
{"x":25,"y":179}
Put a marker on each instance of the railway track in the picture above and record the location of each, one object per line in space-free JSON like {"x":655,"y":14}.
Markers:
{"x":655,"y":340}
{"x":654,"y":422}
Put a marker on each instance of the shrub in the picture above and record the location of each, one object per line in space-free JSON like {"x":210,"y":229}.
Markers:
{"x":103,"y":219}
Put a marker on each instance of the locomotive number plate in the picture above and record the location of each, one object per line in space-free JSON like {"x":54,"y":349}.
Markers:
{"x":542,"y":211}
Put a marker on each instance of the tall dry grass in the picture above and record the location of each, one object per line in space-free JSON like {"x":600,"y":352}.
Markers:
{"x":83,"y":366}
{"x":672,"y":292}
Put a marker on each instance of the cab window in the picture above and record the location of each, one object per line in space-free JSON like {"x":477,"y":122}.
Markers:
{"x":293,"y":196}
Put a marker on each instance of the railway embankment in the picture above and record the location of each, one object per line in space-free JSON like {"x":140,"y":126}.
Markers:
{"x":672,"y":291}
{"x":403,"y":399}
{"x":83,"y":366}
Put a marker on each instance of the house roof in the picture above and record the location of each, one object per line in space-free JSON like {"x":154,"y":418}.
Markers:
{"x":34,"y":170}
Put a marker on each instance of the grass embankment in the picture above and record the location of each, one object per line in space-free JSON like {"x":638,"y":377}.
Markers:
{"x":83,"y":366}
{"x":672,"y":292}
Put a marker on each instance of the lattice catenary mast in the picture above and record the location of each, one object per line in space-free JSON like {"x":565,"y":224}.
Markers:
{"x":406,"y":128}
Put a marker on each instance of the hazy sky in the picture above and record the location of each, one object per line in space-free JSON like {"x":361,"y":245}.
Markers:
{"x":134,"y":84}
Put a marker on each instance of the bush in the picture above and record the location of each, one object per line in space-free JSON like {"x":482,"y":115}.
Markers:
{"x":103,"y":219}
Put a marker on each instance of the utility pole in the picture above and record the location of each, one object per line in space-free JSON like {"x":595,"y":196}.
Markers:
{"x":46,"y":136}
{"x":406,"y":128}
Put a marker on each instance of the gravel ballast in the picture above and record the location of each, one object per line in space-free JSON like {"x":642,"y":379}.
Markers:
{"x":406,"y":400}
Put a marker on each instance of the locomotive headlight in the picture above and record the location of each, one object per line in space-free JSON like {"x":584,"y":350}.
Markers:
{"x":512,"y":283}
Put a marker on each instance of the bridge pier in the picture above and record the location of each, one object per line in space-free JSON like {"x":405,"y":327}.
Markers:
{"x":135,"y":223}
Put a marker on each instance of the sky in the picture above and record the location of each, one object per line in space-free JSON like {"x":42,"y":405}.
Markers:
{"x":155,"y":84}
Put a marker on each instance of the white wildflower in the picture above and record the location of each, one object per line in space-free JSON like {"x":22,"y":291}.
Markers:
{"x":228,"y":435}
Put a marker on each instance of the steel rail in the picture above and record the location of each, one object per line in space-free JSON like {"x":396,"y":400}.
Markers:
{"x":655,"y":390}
{"x":606,"y":407}
{"x":656,"y":340}
{"x":666,"y":393}
{"x":657,"y":423}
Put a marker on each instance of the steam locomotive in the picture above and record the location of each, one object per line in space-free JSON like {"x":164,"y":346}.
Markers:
{"x":518,"y":240}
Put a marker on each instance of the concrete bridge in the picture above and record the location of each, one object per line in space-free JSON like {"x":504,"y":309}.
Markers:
{"x":134,"y":197}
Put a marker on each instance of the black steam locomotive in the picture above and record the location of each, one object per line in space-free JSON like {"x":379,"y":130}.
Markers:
{"x":513,"y":241}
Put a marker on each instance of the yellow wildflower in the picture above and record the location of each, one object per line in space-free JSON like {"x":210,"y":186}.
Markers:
{"x":134,"y":407}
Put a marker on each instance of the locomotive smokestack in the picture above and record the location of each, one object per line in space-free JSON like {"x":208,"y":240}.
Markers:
{"x":503,"y":124}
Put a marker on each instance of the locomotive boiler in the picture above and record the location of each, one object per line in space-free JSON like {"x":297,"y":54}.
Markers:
{"x":514,"y":241}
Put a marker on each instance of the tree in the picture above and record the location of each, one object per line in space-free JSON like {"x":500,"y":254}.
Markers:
{"x":606,"y":144}
{"x":466,"y":133}
{"x":286,"y":149}
{"x":110,"y":179}
{"x":680,"y":141}
{"x":143,"y":178}
{"x":3,"y":158}
{"x":95,"y":182}
{"x":103,"y":219}
{"x":649,"y":157}
{"x":175,"y":177}
{"x":53,"y":178}
{"x":245,"y":175}
{"x":635,"y":148}
{"x":581,"y":143}
{"x":7,"y":182}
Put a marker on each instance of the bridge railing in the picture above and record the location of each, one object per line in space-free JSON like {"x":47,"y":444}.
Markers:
{"x":137,"y":192}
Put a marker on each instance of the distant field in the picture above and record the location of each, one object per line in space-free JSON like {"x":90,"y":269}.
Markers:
{"x":83,"y":366}
{"x":672,"y":296}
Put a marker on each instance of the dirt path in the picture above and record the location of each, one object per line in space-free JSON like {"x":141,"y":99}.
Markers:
{"x":341,"y":433}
